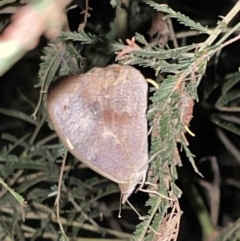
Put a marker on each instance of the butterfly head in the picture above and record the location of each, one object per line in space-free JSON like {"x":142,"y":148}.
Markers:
{"x":130,"y":185}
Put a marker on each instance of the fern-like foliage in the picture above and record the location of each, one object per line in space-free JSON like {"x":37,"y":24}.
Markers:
{"x":88,"y":39}
{"x":170,"y":13}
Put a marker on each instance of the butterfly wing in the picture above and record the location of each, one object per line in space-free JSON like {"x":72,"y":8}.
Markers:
{"x":101,"y":117}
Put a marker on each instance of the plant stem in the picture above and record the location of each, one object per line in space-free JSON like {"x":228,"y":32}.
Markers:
{"x":226,"y":20}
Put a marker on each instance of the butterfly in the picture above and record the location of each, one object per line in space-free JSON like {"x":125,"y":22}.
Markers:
{"x":100,"y":117}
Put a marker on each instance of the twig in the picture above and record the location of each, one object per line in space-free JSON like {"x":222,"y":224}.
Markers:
{"x":11,"y":181}
{"x":77,"y":207}
{"x":172,"y":32}
{"x":86,"y":16}
{"x":57,"y":201}
{"x":233,"y":12}
{"x":228,"y":109}
{"x":38,"y":128}
{"x":46,"y":139}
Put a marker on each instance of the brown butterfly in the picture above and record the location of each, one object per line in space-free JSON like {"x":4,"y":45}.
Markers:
{"x":100,"y":116}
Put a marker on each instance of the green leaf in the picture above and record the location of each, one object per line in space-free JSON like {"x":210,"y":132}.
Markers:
{"x":82,"y":36}
{"x":18,"y":197}
{"x":19,"y":115}
{"x":140,"y":38}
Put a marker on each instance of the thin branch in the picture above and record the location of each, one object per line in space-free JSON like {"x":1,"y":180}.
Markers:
{"x":226,"y":20}
{"x":86,"y":15}
{"x":57,"y":201}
